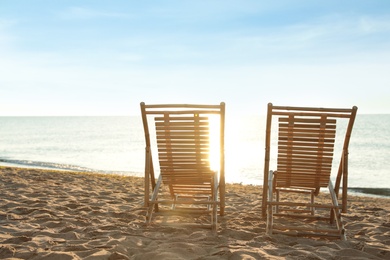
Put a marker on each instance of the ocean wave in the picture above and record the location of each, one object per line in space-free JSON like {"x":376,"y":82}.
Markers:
{"x":46,"y":165}
{"x":382,"y":192}
{"x":60,"y":166}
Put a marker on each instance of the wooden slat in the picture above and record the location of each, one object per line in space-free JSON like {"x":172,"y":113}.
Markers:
{"x":304,"y":160}
{"x":184,"y":152}
{"x":193,"y":187}
{"x":195,"y":202}
{"x":306,"y":136}
{"x":189,"y":191}
{"x":302,"y":173}
{"x":191,"y":106}
{"x":314,"y":120}
{"x":317,"y":109}
{"x":184,"y":124}
{"x":200,"y":131}
{"x":294,"y":150}
{"x":173,"y":174}
{"x":331,"y":115}
{"x":302,"y":163}
{"x":189,"y":174}
{"x":295,"y":166}
{"x":299,"y":127}
{"x":307,"y":129}
{"x":305,"y":150}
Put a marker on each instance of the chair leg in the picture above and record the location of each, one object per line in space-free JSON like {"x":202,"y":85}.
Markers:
{"x":215,"y":204}
{"x":153,"y":201}
{"x":209,"y":205}
{"x":176,"y":198}
{"x":269,"y":205}
{"x":214,"y":216}
{"x":336,"y":212}
{"x":312,"y":202}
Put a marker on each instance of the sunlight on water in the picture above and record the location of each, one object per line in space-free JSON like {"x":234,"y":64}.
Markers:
{"x":117,"y":144}
{"x":244,"y":149}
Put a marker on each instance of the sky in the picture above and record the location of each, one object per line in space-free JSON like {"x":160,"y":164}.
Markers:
{"x":60,"y":58}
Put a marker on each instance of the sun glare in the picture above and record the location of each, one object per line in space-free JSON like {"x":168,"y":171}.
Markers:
{"x":214,"y":157}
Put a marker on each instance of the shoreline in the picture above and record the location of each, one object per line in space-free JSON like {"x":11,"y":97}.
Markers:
{"x":374,"y":192}
{"x":357,"y":191}
{"x":48,"y":214}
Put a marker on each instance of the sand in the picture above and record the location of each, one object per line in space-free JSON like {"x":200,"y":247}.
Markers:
{"x":62,"y":215}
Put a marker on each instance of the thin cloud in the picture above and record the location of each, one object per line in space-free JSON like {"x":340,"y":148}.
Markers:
{"x":369,"y":24}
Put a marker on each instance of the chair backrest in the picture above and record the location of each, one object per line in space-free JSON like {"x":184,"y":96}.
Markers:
{"x":305,"y":150}
{"x":306,"y":139}
{"x":183,"y":143}
{"x":184,"y":150}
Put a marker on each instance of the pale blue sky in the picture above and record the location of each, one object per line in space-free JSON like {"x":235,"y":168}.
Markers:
{"x":105,"y":57}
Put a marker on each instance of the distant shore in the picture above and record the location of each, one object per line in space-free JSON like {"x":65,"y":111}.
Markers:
{"x":47,"y":214}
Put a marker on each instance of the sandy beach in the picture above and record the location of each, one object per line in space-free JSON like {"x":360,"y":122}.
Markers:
{"x":63,"y":215}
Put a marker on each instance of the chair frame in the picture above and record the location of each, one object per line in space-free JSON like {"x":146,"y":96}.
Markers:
{"x":270,"y":187}
{"x":152,"y":186}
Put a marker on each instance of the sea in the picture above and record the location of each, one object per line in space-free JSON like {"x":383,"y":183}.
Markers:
{"x":116,"y":145}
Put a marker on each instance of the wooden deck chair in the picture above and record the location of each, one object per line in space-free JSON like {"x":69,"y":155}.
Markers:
{"x":182,"y":142}
{"x":306,"y":148}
